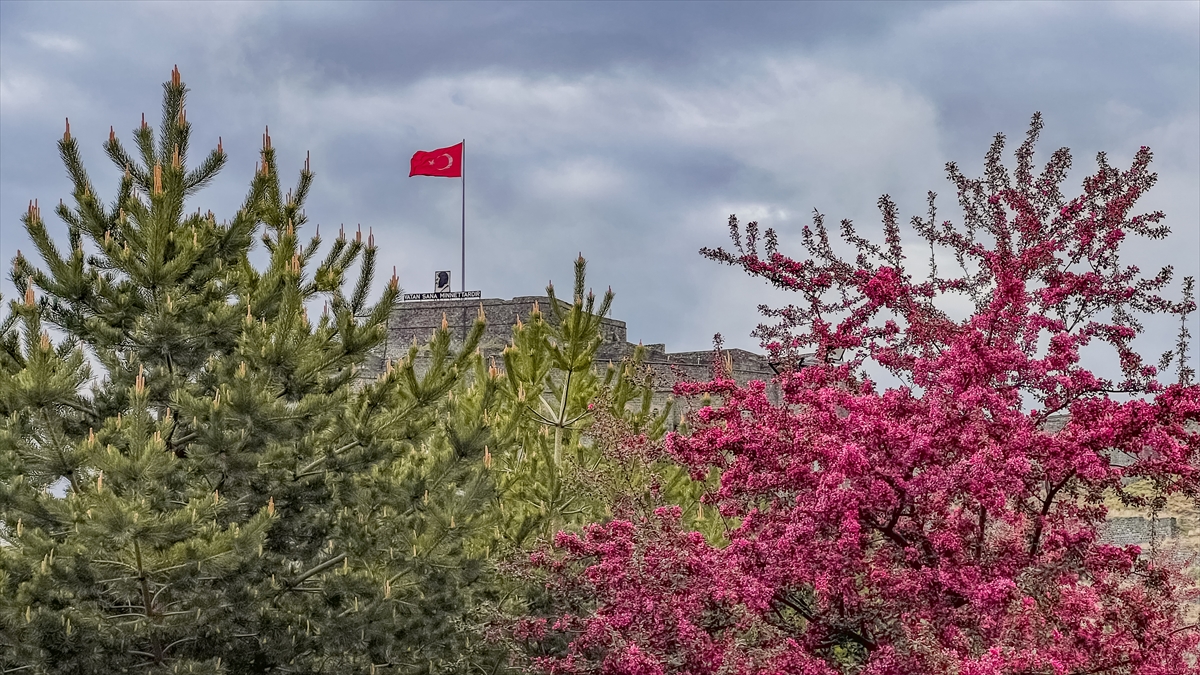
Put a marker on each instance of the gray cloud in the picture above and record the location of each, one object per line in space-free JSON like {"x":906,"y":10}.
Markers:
{"x":627,"y":132}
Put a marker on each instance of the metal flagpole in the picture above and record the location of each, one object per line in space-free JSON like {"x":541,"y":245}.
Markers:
{"x":463,"y":269}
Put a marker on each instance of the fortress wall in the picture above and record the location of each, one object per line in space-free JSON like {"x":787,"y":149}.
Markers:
{"x":418,"y":320}
{"x":1123,"y":531}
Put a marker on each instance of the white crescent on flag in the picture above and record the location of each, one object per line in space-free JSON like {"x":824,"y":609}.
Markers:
{"x":445,"y":162}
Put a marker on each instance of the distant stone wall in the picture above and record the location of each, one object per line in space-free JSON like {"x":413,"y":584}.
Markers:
{"x":418,"y":320}
{"x":1124,"y":531}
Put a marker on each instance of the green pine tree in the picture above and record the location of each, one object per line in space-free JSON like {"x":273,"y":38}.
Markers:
{"x":572,"y":436}
{"x":553,"y":391}
{"x":195,"y":477}
{"x":238,"y":499}
{"x":578,"y":434}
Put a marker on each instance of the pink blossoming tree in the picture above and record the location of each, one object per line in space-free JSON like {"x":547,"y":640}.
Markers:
{"x":952,"y":523}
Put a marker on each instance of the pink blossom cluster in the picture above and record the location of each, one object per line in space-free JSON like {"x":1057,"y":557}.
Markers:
{"x":937,"y":526}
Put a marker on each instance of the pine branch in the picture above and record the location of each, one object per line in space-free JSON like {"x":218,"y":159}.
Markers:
{"x":313,"y":572}
{"x":365,"y":276}
{"x":202,"y":175}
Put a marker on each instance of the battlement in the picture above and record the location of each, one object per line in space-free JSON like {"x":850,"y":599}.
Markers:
{"x":419,"y":320}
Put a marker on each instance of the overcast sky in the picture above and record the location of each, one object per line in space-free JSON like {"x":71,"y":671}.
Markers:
{"x":625,"y":131}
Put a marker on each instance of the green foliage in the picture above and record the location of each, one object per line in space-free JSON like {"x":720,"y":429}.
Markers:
{"x":237,"y":499}
{"x":551,"y":395}
{"x":195,"y":477}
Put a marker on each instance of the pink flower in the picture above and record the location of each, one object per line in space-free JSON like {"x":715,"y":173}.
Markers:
{"x":940,"y":525}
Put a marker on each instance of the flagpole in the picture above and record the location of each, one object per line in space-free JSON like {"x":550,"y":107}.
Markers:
{"x":463,"y":269}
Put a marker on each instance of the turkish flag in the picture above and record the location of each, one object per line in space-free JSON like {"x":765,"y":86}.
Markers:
{"x":444,"y":162}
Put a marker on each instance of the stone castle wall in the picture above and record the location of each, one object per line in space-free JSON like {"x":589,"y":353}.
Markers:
{"x":419,"y":320}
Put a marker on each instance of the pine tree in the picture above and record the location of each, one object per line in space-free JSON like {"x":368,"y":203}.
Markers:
{"x":196,"y":477}
{"x":238,"y":499}
{"x":574,"y":439}
{"x":557,"y":405}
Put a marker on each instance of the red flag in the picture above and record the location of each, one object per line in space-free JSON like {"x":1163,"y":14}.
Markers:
{"x":444,"y":162}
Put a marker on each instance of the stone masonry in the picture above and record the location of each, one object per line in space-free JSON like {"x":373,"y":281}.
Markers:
{"x":418,"y":320}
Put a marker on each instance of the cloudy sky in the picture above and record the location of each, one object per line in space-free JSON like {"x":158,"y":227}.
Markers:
{"x":625,"y":131}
